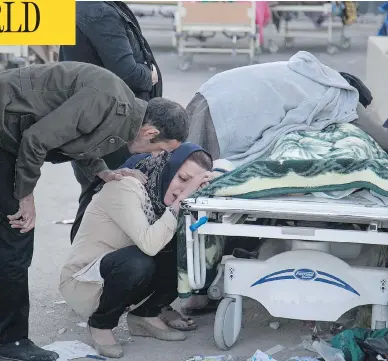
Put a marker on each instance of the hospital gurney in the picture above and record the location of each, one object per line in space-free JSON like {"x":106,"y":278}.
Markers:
{"x":281,"y":14}
{"x":20,"y":56}
{"x":203,"y":20}
{"x":306,"y":283}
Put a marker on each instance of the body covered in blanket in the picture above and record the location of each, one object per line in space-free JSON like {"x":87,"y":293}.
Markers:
{"x":240,"y":114}
{"x":338,"y":161}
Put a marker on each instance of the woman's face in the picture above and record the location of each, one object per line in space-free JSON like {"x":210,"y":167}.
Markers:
{"x":188,"y":170}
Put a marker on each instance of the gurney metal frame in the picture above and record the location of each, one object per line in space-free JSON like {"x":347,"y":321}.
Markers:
{"x":318,"y":33}
{"x":306,"y":283}
{"x":234,"y":18}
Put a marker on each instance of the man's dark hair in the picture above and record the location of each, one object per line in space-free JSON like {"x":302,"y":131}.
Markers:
{"x":202,"y":159}
{"x":169,"y":117}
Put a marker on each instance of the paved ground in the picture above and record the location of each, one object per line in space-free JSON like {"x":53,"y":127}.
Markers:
{"x":56,"y":198}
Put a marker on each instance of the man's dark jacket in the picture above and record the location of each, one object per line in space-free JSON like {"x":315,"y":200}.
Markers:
{"x":63,"y":111}
{"x":108,"y":35}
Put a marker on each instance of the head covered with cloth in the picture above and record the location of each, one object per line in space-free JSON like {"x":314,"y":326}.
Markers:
{"x":169,"y":172}
{"x":167,"y":175}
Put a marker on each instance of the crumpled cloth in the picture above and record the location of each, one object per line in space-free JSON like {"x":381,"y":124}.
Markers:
{"x":348,"y":341}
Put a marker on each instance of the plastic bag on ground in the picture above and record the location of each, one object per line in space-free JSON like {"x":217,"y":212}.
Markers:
{"x":328,"y":352}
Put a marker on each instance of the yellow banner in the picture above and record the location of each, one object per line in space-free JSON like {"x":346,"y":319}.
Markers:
{"x":37,"y":22}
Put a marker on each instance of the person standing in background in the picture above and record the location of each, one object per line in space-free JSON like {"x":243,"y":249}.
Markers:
{"x":109,"y":35}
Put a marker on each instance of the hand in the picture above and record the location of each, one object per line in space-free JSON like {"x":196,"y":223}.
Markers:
{"x":194,"y":184}
{"x":209,"y":177}
{"x":25,"y":217}
{"x":110,"y":175}
{"x":155,"y":77}
{"x":135,"y":173}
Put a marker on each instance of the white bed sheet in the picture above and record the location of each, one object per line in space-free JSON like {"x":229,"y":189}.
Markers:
{"x":356,"y":208}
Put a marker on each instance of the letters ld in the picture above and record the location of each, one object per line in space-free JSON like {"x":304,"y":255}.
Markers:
{"x":8,"y":7}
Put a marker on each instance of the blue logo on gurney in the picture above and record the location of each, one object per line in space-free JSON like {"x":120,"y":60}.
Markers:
{"x":306,"y":274}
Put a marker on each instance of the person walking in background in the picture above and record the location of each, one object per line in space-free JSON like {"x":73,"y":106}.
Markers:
{"x":109,"y":35}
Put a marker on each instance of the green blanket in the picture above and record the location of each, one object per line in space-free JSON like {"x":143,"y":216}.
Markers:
{"x":348,"y":341}
{"x":338,"y":158}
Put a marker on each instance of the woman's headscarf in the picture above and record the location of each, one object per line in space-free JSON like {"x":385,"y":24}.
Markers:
{"x":161,"y":170}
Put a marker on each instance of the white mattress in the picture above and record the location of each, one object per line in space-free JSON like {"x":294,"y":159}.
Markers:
{"x":306,"y":207}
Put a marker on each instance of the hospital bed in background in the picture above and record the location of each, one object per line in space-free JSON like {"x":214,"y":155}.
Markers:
{"x":282,"y":17}
{"x":13,"y":56}
{"x":204,"y":20}
{"x":20,"y":56}
{"x":289,"y":197}
{"x":156,"y":16}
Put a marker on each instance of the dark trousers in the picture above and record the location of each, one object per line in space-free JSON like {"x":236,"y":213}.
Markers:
{"x":15,"y":257}
{"x":130,"y":276}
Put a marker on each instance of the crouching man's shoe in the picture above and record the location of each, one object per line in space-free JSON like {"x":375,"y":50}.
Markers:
{"x":25,"y":350}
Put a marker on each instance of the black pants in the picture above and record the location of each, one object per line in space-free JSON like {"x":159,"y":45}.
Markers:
{"x":15,"y":257}
{"x":130,"y":276}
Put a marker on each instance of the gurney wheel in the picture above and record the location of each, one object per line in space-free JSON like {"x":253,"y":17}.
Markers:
{"x":331,"y":49}
{"x":288,"y":43}
{"x":273,"y":47}
{"x":345,"y":43}
{"x":224,"y":333}
{"x":254,"y":60}
{"x":185,"y":62}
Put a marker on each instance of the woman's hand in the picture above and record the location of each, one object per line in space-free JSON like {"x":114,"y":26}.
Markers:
{"x":194,"y":184}
{"x":209,"y":177}
{"x":25,"y":217}
{"x":155,"y":77}
{"x":198,"y":182}
{"x":110,"y":175}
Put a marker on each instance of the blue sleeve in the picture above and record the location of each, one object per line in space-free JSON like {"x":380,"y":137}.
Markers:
{"x":108,"y":35}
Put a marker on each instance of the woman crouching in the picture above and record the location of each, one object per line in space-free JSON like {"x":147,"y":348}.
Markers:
{"x":123,"y":252}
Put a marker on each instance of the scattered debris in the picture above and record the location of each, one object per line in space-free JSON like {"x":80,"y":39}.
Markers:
{"x":62,"y":331}
{"x":65,"y":221}
{"x":211,"y":358}
{"x":82,"y":324}
{"x":304,"y":358}
{"x":274,"y":325}
{"x":307,"y":343}
{"x":70,"y":350}
{"x":261,"y":356}
{"x":359,"y":342}
{"x":328,"y":352}
{"x":95,"y":357}
{"x":60,"y":302}
{"x":274,"y":350}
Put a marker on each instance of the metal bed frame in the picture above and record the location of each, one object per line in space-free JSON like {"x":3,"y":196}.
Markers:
{"x":203,"y":20}
{"x":288,"y":34}
{"x":334,"y":287}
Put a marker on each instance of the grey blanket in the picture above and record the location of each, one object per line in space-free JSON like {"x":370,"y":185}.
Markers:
{"x":252,"y":107}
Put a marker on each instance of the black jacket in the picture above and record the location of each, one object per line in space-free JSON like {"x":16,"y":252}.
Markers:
{"x":108,"y":35}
